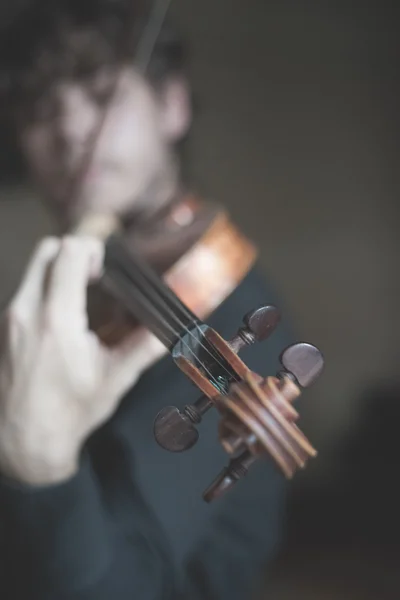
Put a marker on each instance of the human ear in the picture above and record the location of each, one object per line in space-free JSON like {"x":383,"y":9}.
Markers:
{"x":176,"y":110}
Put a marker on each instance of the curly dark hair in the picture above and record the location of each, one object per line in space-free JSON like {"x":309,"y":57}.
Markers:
{"x":53,"y":40}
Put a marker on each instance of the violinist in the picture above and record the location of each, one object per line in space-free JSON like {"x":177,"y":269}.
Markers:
{"x":90,"y":506}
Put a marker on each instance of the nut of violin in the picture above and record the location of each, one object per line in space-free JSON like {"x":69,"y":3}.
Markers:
{"x":174,"y":431}
{"x":304,"y":361}
{"x":262,"y":321}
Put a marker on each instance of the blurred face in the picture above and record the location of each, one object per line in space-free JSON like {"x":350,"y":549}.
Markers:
{"x":132,"y":166}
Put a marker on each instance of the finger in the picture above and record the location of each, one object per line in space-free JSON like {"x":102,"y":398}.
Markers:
{"x":132,"y":358}
{"x":29,"y":296}
{"x":78,"y":262}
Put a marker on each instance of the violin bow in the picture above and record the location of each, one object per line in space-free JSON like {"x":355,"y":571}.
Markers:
{"x":257,"y":417}
{"x":145,"y":47}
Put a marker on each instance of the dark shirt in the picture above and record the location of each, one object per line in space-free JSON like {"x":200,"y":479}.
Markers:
{"x":132,"y":523}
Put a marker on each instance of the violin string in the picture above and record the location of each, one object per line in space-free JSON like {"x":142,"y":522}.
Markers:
{"x":215,"y":354}
{"x":148,"y":276}
{"x":114,"y":282}
{"x":139,"y":303}
{"x":156,"y":295}
{"x":115,"y":276}
{"x":166,"y":293}
{"x":135,"y":270}
{"x":144,"y":306}
{"x":150,"y":34}
{"x":141,"y":267}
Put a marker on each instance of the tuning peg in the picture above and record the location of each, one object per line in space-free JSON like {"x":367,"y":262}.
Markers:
{"x":229,"y":476}
{"x":258,"y":326}
{"x":302,"y":361}
{"x":174,"y":430}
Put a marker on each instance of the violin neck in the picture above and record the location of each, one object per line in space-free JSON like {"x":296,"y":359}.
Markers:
{"x":143,"y":293}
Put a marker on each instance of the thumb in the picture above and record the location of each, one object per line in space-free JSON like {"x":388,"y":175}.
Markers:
{"x":137,"y":353}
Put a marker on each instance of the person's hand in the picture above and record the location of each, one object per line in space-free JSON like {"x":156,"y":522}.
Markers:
{"x":58,"y":383}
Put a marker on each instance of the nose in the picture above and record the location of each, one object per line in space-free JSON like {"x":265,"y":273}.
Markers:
{"x":75,"y":123}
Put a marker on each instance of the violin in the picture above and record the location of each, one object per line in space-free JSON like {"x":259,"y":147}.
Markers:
{"x":170,"y":278}
{"x":169,"y":274}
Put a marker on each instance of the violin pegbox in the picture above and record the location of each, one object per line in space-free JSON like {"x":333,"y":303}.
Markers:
{"x":258,"y":419}
{"x":175,"y":430}
{"x":257,"y":414}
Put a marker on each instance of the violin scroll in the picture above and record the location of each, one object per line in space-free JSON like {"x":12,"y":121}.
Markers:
{"x":258,"y":419}
{"x":174,"y":429}
{"x":257,"y":414}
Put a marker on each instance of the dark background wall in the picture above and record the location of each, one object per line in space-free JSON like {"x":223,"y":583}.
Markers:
{"x":297,"y":134}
